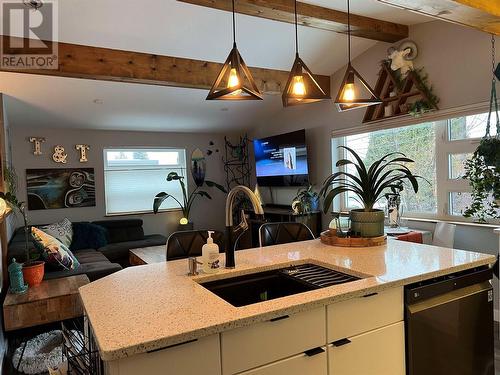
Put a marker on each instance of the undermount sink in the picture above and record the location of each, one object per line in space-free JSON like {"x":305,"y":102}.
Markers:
{"x":264,"y":286}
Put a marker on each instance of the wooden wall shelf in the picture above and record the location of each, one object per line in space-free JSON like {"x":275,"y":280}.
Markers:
{"x":407,"y":92}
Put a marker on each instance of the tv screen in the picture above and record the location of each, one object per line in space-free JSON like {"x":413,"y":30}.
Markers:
{"x":282,"y":160}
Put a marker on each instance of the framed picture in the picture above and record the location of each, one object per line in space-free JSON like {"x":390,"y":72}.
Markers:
{"x":60,"y":188}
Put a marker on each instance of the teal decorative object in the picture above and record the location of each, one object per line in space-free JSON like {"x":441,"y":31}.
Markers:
{"x":17,"y":284}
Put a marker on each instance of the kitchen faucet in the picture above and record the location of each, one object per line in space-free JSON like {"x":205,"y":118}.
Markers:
{"x":243,"y":225}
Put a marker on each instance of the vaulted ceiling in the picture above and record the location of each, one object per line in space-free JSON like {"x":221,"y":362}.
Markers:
{"x":168,"y":27}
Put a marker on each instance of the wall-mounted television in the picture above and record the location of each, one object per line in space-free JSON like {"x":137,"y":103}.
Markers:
{"x":282,"y":160}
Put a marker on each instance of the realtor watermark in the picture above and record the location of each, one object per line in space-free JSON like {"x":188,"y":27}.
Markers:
{"x":29,"y":36}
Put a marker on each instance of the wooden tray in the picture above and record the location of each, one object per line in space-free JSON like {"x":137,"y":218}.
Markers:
{"x":329,"y":237}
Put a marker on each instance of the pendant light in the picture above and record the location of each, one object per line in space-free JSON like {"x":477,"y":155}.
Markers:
{"x":301,"y":86}
{"x":239,"y":84}
{"x":348,"y":95}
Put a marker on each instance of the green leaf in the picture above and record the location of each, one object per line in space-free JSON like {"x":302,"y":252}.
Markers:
{"x":327,"y":202}
{"x":158,"y":200}
{"x":174,"y":176}
{"x":216,"y":185}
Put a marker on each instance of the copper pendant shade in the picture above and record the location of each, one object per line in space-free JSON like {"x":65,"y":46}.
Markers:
{"x":347,"y":97}
{"x":234,"y":81}
{"x":301,"y":86}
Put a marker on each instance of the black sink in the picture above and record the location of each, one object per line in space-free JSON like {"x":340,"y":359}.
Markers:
{"x":268,"y":285}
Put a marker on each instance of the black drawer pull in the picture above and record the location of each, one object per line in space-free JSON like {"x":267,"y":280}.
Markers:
{"x":172,"y":346}
{"x":370,"y":295}
{"x":341,"y":342}
{"x":279,"y":318}
{"x":315,"y":351}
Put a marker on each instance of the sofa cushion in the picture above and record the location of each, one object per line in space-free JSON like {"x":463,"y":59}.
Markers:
{"x":55,"y":253}
{"x":63,"y":231}
{"x":123,"y":230}
{"x":94,"y":271}
{"x":120,"y":251}
{"x":90,"y":256}
{"x":88,"y":236}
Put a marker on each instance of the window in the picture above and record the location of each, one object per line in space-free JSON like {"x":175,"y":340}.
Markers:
{"x":439,"y":149}
{"x":133,"y":176}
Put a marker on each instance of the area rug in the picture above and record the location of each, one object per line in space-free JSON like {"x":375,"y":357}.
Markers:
{"x":41,"y":352}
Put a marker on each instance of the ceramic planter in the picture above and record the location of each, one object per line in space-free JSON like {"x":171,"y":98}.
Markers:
{"x":367,"y":223}
{"x":33,"y":273}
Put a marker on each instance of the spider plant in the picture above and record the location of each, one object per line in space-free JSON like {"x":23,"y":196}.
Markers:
{"x":187,"y":199}
{"x":369,"y":184}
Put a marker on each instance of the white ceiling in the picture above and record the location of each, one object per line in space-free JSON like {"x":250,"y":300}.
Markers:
{"x":172,"y":28}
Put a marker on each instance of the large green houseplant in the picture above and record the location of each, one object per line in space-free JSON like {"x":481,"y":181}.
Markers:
{"x":187,"y":198}
{"x":369,"y":184}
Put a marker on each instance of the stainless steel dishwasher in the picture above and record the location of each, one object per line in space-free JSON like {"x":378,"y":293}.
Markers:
{"x":449,"y":325}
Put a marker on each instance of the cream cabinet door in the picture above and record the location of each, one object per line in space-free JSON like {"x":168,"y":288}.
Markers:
{"x":378,"y":352}
{"x":262,"y":343}
{"x":197,"y":357}
{"x":313,"y":362}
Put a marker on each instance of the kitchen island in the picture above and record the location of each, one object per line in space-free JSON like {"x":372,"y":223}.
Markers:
{"x":155,"y":317}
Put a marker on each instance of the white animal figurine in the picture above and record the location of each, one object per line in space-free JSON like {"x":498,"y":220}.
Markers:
{"x":401,"y":57}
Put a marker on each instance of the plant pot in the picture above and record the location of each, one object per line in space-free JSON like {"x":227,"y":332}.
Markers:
{"x":184,"y":227}
{"x":367,"y":223}
{"x":33,"y":273}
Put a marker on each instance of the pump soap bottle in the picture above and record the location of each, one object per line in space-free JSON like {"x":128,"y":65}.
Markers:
{"x":210,"y":255}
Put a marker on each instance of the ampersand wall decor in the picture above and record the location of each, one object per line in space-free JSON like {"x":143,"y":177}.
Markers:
{"x":83,"y":152}
{"x":59,"y":156}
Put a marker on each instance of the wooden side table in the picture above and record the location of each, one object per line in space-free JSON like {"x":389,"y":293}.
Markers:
{"x":51,"y":301}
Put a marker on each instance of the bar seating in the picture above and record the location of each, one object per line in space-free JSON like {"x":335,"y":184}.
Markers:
{"x":280,"y":233}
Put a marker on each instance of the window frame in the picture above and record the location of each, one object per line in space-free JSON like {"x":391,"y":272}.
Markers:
{"x":445,"y":185}
{"x":183,"y":159}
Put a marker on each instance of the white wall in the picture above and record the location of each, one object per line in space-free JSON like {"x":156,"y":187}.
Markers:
{"x":458,"y":62}
{"x":207,"y":214}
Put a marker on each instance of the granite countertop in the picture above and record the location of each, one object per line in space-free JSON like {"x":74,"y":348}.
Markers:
{"x":148,"y":307}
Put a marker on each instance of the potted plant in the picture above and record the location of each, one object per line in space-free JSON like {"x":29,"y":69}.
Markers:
{"x":187,"y":199}
{"x":33,"y":269}
{"x":306,"y":201}
{"x":369,"y":184}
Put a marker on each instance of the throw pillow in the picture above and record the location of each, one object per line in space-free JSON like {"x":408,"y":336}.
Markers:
{"x":88,"y":236}
{"x":55,"y":253}
{"x":63,"y":231}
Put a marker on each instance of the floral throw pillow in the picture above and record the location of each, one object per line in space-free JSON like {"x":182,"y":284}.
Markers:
{"x":55,"y":253}
{"x":62,"y":231}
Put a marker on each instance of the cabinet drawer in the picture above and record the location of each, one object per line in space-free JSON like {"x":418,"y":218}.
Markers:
{"x":378,"y":352}
{"x":352,"y":317}
{"x":198,"y":357}
{"x":266,"y":342}
{"x":302,"y":364}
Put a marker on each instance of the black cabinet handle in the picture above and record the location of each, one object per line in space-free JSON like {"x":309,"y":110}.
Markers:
{"x":370,"y":295}
{"x":341,"y":342}
{"x":279,"y":318}
{"x":172,"y":346}
{"x":315,"y":351}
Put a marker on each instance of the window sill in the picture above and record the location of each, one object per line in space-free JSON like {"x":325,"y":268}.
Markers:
{"x":142,"y":213}
{"x":456,"y":222}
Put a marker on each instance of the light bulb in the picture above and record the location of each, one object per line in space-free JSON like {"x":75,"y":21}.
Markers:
{"x":183,"y":221}
{"x":233,"y":79}
{"x":298,"y":87}
{"x":349,"y":94}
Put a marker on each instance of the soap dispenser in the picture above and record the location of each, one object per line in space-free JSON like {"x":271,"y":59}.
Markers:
{"x":210,"y":255}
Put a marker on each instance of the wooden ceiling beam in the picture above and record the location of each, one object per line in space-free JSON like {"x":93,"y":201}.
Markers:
{"x":312,"y":16}
{"x":483,"y":15}
{"x":80,"y":61}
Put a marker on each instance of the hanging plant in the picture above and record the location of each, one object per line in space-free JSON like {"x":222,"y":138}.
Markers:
{"x":485,"y":183}
{"x":483,"y":169}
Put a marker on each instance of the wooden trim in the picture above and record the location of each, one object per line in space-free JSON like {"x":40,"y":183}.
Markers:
{"x":312,"y":16}
{"x":105,"y":64}
{"x":483,"y":15}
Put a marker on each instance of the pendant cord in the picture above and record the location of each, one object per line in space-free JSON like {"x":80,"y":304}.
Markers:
{"x":296,"y":31}
{"x":234,"y":27}
{"x":349,"y":32}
